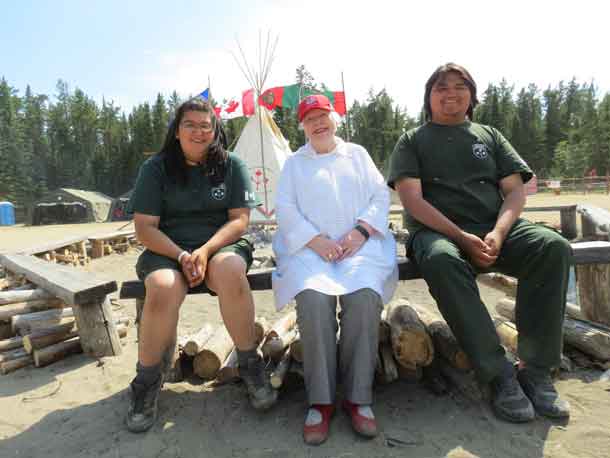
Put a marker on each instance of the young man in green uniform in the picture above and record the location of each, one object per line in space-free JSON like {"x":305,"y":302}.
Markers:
{"x":462,"y":186}
{"x":191,"y":206}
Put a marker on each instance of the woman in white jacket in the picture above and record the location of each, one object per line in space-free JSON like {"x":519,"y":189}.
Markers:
{"x":333,"y":241}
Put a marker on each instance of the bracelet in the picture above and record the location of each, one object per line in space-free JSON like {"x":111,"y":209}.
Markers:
{"x":360,"y":228}
{"x":180,"y":256}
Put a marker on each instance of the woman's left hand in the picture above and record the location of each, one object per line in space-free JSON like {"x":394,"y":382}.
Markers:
{"x":351,"y":243}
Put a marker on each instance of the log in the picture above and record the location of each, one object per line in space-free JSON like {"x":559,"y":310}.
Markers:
{"x":443,"y":339}
{"x":171,"y":365}
{"x":229,"y":372}
{"x":13,"y":365}
{"x":11,"y":297}
{"x":195,"y":342}
{"x":12,"y":354}
{"x":386,"y":370}
{"x":274,"y":348}
{"x":23,"y":323}
{"x":281,"y":335}
{"x":411,"y":343}
{"x":261,"y":327}
{"x":46,"y":337}
{"x":207,"y":362}
{"x":10,"y":343}
{"x":589,"y":339}
{"x":296,"y":349}
{"x":6,"y":331}
{"x":21,"y":308}
{"x":594,"y":292}
{"x":281,"y":369}
{"x":50,"y":354}
{"x":47,"y":355}
{"x":507,"y":332}
{"x":97,"y":249}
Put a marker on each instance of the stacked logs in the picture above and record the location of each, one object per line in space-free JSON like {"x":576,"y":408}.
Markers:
{"x":585,"y":336}
{"x":74,"y":255}
{"x":37,"y":328}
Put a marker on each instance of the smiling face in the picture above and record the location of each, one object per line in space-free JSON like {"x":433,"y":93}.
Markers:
{"x":195,"y":133}
{"x":319,"y":126}
{"x":449,"y":99}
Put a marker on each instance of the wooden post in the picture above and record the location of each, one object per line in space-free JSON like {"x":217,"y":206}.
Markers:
{"x":21,"y":308}
{"x":594,"y":292}
{"x":23,"y":324}
{"x":97,"y":328}
{"x":12,"y":297}
{"x":97,"y":249}
{"x":567,"y":216}
{"x":50,"y":354}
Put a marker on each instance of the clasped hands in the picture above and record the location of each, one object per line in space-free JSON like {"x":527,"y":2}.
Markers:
{"x":481,"y":252}
{"x":335,"y":251}
{"x":194,"y":266}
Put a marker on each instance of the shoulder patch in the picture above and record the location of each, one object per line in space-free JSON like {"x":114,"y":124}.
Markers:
{"x":218,"y":192}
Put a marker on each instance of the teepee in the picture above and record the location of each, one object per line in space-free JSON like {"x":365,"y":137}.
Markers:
{"x":261,"y":144}
{"x":264,"y":149}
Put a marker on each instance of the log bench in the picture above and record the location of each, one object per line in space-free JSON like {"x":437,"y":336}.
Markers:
{"x":584,"y":253}
{"x":86,"y":294}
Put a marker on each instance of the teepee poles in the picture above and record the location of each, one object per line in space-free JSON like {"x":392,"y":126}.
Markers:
{"x":257,"y":80}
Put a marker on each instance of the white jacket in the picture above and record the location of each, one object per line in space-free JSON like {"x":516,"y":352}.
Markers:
{"x":328,"y":194}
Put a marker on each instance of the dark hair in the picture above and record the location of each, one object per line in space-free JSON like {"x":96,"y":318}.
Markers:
{"x":173,"y":156}
{"x":442,"y":71}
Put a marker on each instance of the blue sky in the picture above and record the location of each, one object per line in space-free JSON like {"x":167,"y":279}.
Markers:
{"x":128,"y":51}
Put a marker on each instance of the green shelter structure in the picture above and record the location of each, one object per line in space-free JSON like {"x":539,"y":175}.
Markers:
{"x":69,"y":206}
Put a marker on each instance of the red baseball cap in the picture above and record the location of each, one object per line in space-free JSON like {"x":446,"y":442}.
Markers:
{"x":312,"y":102}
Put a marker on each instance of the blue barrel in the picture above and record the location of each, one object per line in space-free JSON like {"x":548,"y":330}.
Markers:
{"x":7,"y":214}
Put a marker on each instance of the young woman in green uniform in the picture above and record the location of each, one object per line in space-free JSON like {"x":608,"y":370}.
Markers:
{"x":462,"y":186}
{"x":191,"y":206}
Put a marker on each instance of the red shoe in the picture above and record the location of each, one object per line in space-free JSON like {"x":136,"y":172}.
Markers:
{"x":317,"y":423}
{"x":363,"y":419}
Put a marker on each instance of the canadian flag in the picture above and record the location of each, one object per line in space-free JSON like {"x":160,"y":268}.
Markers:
{"x":236,"y":107}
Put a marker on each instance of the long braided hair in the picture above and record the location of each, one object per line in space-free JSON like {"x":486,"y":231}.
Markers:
{"x":216,"y":158}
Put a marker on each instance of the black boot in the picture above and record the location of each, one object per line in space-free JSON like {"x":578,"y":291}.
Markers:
{"x":142,"y":412}
{"x":539,"y":388}
{"x":509,"y":402}
{"x":260,"y":392}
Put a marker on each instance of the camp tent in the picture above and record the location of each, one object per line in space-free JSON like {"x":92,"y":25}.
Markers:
{"x":66,"y":206}
{"x":118,"y":210}
{"x":264,"y":149}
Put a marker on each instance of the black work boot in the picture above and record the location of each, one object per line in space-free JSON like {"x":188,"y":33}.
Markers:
{"x":539,"y":388}
{"x":508,"y":401}
{"x":142,"y":412}
{"x":260,"y":392}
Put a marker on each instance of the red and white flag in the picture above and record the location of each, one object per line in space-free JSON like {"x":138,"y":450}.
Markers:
{"x":236,"y":107}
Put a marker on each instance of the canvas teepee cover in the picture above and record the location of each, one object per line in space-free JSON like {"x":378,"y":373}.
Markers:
{"x":264,"y":149}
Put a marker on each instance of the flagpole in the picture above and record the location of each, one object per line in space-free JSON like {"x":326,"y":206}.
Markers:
{"x":346,"y":109}
{"x":209,"y":88}
{"x":259,"y":109}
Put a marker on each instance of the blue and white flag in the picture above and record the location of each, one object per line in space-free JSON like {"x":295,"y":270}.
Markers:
{"x":205,"y":95}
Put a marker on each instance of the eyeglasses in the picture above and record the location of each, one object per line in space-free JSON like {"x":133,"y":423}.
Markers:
{"x":192,"y":127}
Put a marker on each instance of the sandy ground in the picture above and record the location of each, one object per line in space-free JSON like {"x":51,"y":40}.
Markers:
{"x":76,"y":407}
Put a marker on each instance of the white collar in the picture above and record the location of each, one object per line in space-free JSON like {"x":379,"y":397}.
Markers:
{"x":340,"y":148}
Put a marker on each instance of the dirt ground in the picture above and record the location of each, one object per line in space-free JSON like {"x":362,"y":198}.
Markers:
{"x":75,"y":407}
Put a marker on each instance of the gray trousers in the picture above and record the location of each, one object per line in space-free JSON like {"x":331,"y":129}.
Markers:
{"x":358,"y":342}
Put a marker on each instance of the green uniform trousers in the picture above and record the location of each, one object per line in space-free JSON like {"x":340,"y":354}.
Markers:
{"x":538,"y":257}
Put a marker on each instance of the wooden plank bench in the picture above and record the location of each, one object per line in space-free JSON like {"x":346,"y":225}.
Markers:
{"x":99,"y":243}
{"x":584,"y":253}
{"x":81,"y":290}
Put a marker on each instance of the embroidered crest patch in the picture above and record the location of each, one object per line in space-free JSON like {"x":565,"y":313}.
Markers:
{"x":479,"y":150}
{"x":218,"y":192}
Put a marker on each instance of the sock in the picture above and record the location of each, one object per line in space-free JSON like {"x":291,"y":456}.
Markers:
{"x":147,"y":375}
{"x":243,"y":356}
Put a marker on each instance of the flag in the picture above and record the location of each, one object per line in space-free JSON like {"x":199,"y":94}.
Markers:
{"x":236,"y":107}
{"x":289,"y":97}
{"x":282,"y":96}
{"x":205,"y":95}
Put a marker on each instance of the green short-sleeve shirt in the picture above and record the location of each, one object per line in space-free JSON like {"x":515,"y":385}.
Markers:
{"x":190,"y":214}
{"x":460,"y":168}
